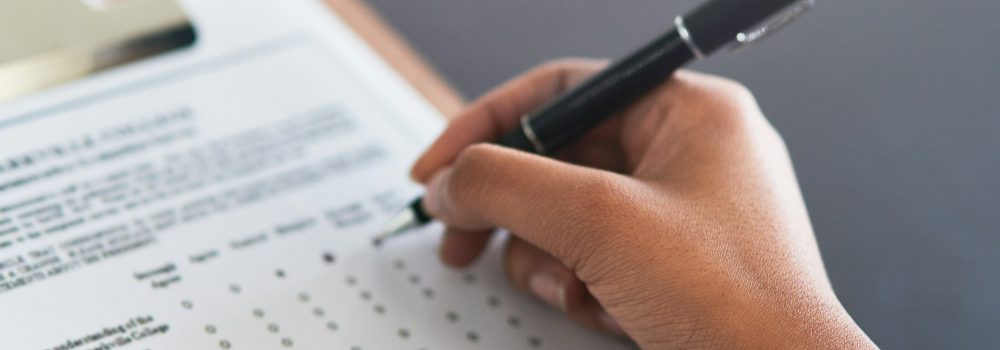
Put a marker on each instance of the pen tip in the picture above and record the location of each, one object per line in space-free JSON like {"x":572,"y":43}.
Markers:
{"x":399,"y":224}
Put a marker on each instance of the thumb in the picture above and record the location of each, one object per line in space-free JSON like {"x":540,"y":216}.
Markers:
{"x":554,"y":205}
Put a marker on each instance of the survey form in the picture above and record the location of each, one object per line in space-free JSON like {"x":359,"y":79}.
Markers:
{"x":225,"y":196}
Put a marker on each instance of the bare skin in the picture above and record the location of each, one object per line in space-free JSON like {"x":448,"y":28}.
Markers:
{"x":677,"y":223}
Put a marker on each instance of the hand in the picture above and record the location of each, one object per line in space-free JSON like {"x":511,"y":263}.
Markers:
{"x":678,"y":222}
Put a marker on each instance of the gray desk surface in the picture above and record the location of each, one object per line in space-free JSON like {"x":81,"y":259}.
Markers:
{"x":890,"y":109}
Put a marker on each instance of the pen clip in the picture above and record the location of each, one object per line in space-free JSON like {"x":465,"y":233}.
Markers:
{"x":772,"y":24}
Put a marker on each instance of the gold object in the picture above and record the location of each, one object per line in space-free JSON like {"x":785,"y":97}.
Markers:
{"x":47,"y":42}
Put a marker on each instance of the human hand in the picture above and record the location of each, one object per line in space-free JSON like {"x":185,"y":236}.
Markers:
{"x":678,"y":222}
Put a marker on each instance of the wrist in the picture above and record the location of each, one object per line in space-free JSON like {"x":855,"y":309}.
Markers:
{"x":809,"y":323}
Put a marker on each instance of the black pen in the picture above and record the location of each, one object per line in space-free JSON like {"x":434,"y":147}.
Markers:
{"x":709,"y":27}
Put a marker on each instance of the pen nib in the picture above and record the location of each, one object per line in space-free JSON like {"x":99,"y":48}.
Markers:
{"x":400,"y":223}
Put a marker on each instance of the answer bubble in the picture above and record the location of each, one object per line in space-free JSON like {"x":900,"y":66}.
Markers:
{"x":210,"y":329}
{"x":273,"y":328}
{"x":535,"y":341}
{"x":493,"y":301}
{"x":225,"y":344}
{"x":287,"y":342}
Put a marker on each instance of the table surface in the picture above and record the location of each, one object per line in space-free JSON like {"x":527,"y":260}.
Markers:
{"x":889,"y":109}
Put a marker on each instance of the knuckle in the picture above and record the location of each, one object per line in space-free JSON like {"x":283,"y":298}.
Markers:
{"x":601,"y":194}
{"x":732,"y":90}
{"x":566,"y":71}
{"x":775,"y":140}
{"x":727,"y":94}
{"x":719,"y":102}
{"x":550,"y":70}
{"x":554,"y":65}
{"x":706,"y":86}
{"x":558,"y":65}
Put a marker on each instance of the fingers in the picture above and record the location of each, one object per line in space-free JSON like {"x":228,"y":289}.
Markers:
{"x":534,"y":271}
{"x":501,"y":109}
{"x":461,"y":247}
{"x":551,"y":204}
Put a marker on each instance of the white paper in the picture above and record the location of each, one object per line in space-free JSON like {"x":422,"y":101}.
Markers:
{"x":224,"y":197}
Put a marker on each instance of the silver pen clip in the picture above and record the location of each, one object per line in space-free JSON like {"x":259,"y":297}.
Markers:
{"x":772,"y":24}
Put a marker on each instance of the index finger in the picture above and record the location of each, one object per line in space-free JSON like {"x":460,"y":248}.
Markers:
{"x":501,"y":109}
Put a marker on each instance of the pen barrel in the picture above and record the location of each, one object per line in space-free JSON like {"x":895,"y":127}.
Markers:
{"x":598,"y":98}
{"x":716,"y":23}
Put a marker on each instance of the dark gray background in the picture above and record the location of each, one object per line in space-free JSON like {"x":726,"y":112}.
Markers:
{"x":888,"y":106}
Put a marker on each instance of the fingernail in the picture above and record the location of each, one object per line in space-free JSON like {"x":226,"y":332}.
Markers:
{"x":546,"y":287}
{"x":435,"y":194}
{"x":609,"y":323}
